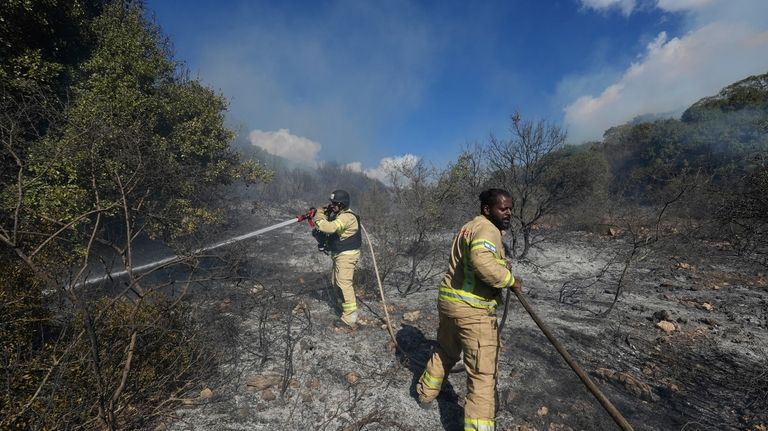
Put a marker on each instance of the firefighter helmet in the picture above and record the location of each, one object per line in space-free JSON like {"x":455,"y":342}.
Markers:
{"x":340,"y":196}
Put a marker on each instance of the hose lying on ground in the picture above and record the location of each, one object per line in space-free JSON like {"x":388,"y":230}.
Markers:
{"x":604,"y":401}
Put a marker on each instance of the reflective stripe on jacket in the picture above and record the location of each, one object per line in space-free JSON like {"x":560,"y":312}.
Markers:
{"x":476,"y":269}
{"x":345,"y":227}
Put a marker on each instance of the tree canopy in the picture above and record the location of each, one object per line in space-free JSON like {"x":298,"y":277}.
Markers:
{"x":104,"y":138}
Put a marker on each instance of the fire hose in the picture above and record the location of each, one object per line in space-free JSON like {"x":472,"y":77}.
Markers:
{"x":601,"y":398}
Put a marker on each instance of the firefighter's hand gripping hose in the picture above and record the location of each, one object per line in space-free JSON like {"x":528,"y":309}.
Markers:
{"x":309,"y":217}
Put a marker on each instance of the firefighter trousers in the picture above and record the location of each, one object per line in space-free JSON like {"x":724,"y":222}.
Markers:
{"x":343,"y":272}
{"x":473,"y":331}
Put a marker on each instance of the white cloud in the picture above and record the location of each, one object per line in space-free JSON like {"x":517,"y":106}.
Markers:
{"x":389,"y":165}
{"x":284,"y":144}
{"x":354,"y":166}
{"x":671,"y":75}
{"x":683,"y":5}
{"x":629,"y":6}
{"x":626,"y":6}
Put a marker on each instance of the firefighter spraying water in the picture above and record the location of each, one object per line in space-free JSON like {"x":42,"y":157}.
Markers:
{"x":337,"y":230}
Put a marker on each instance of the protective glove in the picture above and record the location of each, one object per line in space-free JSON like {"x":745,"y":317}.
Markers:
{"x":518,"y":284}
{"x":322,"y":214}
{"x":309,"y":216}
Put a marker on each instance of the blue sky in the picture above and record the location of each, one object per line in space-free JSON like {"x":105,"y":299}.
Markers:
{"x":370,"y":83}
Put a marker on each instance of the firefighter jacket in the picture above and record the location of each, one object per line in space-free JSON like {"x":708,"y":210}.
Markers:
{"x":343,"y":230}
{"x":477,"y":270}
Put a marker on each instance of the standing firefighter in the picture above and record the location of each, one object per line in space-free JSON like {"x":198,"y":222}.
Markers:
{"x":469,"y":292}
{"x":338,"y":231}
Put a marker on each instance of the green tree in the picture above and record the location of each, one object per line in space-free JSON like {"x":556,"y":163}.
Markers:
{"x":137,"y":148}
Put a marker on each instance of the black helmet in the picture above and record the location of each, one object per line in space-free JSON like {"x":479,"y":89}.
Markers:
{"x":340,"y":196}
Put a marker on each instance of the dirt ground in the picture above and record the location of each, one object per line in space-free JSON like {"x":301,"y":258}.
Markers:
{"x":684,"y":348}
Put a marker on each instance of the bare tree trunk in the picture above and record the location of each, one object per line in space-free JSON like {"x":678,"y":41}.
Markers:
{"x":526,"y":242}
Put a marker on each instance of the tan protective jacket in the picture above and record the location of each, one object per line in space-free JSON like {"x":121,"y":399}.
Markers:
{"x":345,"y":225}
{"x":477,"y":270}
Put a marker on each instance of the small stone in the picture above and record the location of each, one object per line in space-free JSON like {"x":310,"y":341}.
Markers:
{"x":707,"y":306}
{"x":298,"y":309}
{"x":263,"y":381}
{"x":268,"y":395}
{"x":674,"y":388}
{"x":412,"y":316}
{"x":206,"y":393}
{"x":352,"y":377}
{"x":666,"y":326}
{"x":543,"y":411}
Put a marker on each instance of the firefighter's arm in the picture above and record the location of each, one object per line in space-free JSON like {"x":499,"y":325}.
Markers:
{"x":349,"y":225}
{"x":490,"y":267}
{"x":326,"y":226}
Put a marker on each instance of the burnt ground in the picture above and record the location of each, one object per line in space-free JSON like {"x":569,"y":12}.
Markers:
{"x":287,"y":366}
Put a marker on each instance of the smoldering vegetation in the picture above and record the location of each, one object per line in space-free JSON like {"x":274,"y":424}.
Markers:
{"x":646,"y":252}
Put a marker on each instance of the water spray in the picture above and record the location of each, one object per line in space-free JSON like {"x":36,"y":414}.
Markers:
{"x":176,"y":258}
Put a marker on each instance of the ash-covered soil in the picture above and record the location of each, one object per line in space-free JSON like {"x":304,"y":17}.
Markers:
{"x":684,"y":348}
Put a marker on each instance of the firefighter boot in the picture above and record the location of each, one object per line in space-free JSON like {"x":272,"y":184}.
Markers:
{"x":424,"y":401}
{"x":350,"y":319}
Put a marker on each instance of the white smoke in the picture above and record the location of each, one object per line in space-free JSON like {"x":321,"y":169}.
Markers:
{"x":284,"y":144}
{"x":388,"y":165}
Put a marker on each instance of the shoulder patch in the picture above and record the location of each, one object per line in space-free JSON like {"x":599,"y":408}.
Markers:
{"x":490,"y":246}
